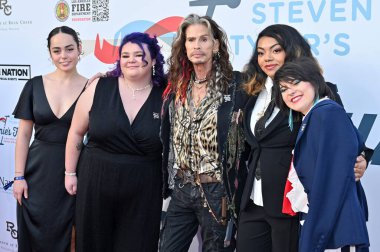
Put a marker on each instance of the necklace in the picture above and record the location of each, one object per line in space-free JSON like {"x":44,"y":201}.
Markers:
{"x":199,"y":81}
{"x":261,"y":113}
{"x":199,"y":85}
{"x":198,"y":94}
{"x":134,"y":90}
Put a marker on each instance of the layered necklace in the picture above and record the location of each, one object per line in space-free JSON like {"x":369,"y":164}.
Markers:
{"x":200,"y":83}
{"x":199,"y":91}
{"x":134,"y":90}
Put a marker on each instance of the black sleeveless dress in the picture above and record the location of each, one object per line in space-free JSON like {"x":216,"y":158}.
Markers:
{"x":45,"y":219}
{"x":119,"y":185}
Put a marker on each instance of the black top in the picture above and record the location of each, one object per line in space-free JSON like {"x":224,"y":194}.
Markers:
{"x":109,"y":126}
{"x":33,"y":105}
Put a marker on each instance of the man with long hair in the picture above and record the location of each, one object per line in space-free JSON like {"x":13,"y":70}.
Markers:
{"x":202,"y":137}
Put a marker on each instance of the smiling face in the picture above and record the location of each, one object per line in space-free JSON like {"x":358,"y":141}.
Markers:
{"x":299,"y":95}
{"x":64,"y":51}
{"x":132,"y":64}
{"x":200,"y":45}
{"x":271,"y":56}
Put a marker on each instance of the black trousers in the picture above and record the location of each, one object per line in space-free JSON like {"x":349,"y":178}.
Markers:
{"x":259,"y":232}
{"x":186,"y":211}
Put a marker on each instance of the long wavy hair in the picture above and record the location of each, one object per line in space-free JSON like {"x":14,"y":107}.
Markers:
{"x":181,"y":68}
{"x":290,"y":40}
{"x":154,"y":48}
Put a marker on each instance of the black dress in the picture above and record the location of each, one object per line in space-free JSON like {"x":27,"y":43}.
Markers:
{"x":119,"y":198}
{"x":45,"y":218}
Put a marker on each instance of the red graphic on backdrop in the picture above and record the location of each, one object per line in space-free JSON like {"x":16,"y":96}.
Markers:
{"x":108,"y":53}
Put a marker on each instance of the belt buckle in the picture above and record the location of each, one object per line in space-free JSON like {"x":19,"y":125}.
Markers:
{"x":187,"y":177}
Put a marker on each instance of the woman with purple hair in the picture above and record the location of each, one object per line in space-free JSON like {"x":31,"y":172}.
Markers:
{"x":119,"y":170}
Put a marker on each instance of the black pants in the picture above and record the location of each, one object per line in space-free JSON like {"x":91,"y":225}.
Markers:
{"x":262,"y":233}
{"x":186,"y":212}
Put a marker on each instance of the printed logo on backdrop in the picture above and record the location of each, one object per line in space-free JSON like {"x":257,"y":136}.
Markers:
{"x":211,"y":4}
{"x":62,"y":11}
{"x":5,"y":180}
{"x":295,"y":12}
{"x":11,"y":228}
{"x":9,"y":243}
{"x":15,"y":72}
{"x":8,"y":130}
{"x":6,"y":10}
{"x":5,"y":7}
{"x":165,"y":29}
{"x":83,"y":10}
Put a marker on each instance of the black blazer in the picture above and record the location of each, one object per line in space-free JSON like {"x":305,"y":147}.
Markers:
{"x":230,"y":135}
{"x":272,"y":150}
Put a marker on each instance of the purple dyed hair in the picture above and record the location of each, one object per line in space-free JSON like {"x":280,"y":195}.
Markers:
{"x":140,"y":38}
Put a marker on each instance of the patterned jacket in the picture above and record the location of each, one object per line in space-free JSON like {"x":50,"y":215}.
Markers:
{"x":231,"y":142}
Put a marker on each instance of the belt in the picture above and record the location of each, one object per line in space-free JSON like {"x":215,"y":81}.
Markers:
{"x":195,"y":178}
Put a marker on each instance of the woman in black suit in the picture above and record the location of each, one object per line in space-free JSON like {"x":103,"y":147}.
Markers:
{"x":262,"y":225}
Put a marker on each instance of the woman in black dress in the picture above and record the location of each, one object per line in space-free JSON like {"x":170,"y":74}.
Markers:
{"x":45,"y":210}
{"x":119,"y":170}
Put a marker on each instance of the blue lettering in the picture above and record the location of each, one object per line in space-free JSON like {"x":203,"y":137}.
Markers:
{"x":236,"y":39}
{"x":335,"y":10}
{"x":366,"y":125}
{"x":376,"y":155}
{"x":314,"y":42}
{"x":260,"y":15}
{"x":251,"y":41}
{"x":327,"y":38}
{"x":293,"y":12}
{"x":366,"y":13}
{"x":344,"y":45}
{"x":364,"y":128}
{"x":316,"y":16}
{"x":276,"y":6}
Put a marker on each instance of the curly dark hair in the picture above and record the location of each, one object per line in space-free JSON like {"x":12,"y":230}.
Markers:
{"x":180,"y":67}
{"x":290,"y":40}
{"x":154,"y":48}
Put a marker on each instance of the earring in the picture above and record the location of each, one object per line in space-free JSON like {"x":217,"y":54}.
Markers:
{"x":153,"y":70}
{"x":217,"y":55}
{"x":316,"y":99}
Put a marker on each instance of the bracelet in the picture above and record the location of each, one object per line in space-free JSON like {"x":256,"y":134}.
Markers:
{"x":362,"y":154}
{"x":70,"y":173}
{"x":10,"y":183}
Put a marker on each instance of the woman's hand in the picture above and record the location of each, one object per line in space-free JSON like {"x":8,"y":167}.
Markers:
{"x":96,"y":76}
{"x":20,"y":188}
{"x":360,"y":167}
{"x":71,"y":184}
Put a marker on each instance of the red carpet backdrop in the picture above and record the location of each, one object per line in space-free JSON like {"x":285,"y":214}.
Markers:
{"x":343,"y":34}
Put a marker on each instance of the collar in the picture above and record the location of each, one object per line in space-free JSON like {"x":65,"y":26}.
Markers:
{"x":269,"y":85}
{"x":315,"y":103}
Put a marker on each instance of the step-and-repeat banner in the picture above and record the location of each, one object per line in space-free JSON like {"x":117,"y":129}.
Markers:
{"x":343,"y":34}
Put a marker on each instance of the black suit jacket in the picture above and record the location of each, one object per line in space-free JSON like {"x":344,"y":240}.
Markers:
{"x":272,"y":151}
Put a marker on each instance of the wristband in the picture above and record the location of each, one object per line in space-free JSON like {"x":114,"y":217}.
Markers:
{"x":10,"y":183}
{"x":70,"y":173}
